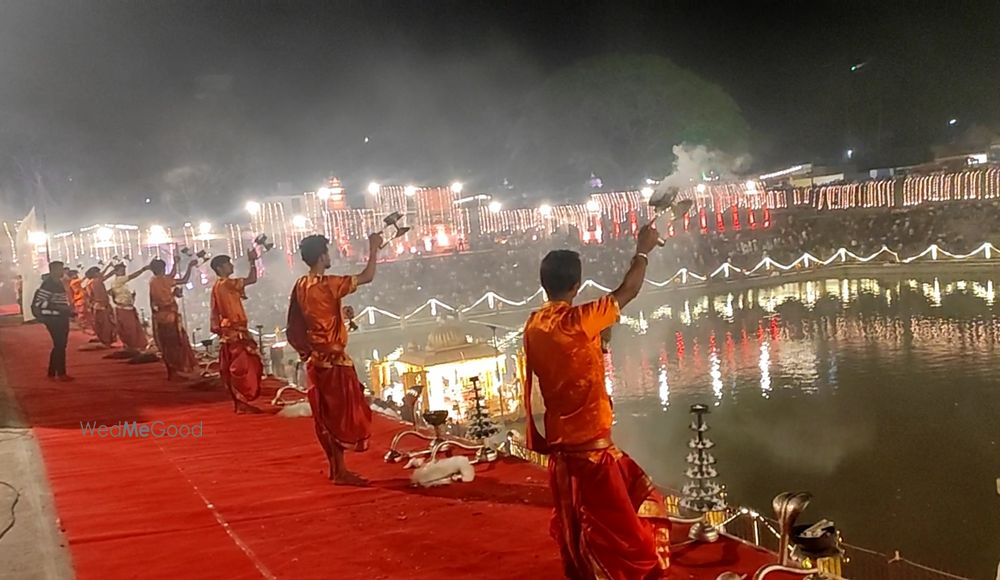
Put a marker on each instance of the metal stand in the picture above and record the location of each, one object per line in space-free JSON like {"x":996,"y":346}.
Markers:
{"x":265,"y":362}
{"x":206,"y":359}
{"x":701,"y":495}
{"x":496,"y":350}
{"x":278,"y":399}
{"x":437,"y":442}
{"x":260,"y":338}
{"x":496,"y":354}
{"x":703,"y":531}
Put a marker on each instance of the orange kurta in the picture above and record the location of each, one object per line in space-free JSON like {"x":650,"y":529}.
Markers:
{"x":162,"y":302}
{"x":319,"y":299}
{"x":168,"y":329}
{"x":87,"y":322}
{"x":577,"y":406}
{"x":608,"y":519}
{"x":240,"y":366}
{"x":76,"y":295}
{"x":317,"y":331}
{"x":229,"y":318}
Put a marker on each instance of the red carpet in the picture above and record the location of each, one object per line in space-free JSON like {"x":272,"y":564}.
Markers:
{"x":249,"y":499}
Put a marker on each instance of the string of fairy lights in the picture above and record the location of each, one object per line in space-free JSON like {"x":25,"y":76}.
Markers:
{"x":965,"y":185}
{"x":440,"y":222}
{"x":491,"y":301}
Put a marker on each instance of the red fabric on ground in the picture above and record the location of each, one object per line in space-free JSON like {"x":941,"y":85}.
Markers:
{"x":155,"y":508}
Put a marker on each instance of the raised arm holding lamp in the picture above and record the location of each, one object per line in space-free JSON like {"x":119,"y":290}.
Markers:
{"x":609,"y":519}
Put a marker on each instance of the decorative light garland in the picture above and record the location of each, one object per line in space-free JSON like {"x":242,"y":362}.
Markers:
{"x":725,"y":271}
{"x":437,"y":218}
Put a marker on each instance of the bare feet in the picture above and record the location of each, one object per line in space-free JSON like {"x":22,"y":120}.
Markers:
{"x":349,"y":478}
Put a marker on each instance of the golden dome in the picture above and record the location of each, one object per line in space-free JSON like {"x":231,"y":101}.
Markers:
{"x":445,"y":336}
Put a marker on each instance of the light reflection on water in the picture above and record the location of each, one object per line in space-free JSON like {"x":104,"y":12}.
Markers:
{"x":880,"y":397}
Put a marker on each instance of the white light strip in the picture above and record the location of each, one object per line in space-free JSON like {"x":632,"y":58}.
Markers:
{"x":787,"y":171}
{"x":986,"y":249}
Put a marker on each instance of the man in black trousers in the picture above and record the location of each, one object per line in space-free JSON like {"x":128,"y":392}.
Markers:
{"x":51,"y":306}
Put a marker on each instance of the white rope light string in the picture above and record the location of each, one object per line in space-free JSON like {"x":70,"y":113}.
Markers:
{"x":681,"y":278}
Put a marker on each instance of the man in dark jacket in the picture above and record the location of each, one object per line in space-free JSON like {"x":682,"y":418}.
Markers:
{"x":51,"y":306}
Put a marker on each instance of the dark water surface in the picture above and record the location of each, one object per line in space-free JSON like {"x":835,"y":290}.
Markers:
{"x":881,"y":397}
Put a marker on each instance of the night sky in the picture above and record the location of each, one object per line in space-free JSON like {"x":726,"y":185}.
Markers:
{"x":103,"y":104}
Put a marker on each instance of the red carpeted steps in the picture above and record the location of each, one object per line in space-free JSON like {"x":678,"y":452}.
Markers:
{"x":249,"y":498}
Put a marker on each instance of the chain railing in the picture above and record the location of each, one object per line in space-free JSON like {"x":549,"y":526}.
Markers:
{"x":754,"y":528}
{"x":858,"y":563}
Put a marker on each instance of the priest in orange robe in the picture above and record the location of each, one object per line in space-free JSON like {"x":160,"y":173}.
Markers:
{"x":130,"y":330}
{"x":316,"y":329}
{"x":100,"y":306}
{"x":609,"y":521}
{"x":168,"y":328}
{"x":240,"y":366}
{"x":76,"y":295}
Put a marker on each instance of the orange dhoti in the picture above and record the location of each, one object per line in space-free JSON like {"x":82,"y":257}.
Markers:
{"x":130,"y":329}
{"x":104,"y":325}
{"x":172,"y":340}
{"x":82,"y":316}
{"x":240,"y":367}
{"x":609,"y":521}
{"x":339,"y":406}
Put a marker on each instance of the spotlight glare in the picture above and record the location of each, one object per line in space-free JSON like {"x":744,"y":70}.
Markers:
{"x":38,"y":238}
{"x":373,"y":188}
{"x":495,"y":206}
{"x":252,"y":207}
{"x":157,"y":235}
{"x":410,"y":191}
{"x":457,"y":187}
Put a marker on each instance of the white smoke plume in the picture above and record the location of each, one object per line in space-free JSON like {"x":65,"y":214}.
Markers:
{"x":694,"y":163}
